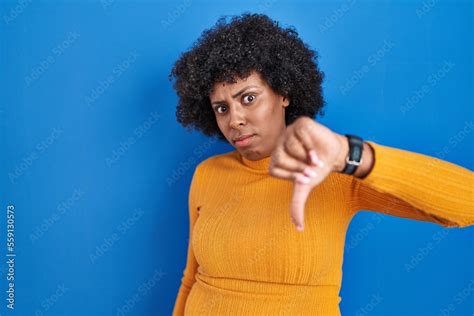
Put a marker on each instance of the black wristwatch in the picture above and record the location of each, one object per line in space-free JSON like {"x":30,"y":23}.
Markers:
{"x":354,"y":158}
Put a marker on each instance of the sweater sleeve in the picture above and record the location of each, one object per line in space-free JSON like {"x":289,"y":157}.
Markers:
{"x":190,"y":269}
{"x":416,"y":186}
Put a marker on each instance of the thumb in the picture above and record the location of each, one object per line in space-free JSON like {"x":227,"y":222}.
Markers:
{"x":298,"y":202}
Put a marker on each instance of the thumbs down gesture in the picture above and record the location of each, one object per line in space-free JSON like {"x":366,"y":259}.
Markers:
{"x":306,"y":153}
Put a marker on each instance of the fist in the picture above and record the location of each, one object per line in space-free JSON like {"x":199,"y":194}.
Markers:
{"x":305,"y":153}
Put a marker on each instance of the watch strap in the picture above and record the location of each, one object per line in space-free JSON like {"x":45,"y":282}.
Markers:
{"x":354,"y":157}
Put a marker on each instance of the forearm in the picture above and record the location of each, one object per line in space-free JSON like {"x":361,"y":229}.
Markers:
{"x":412,"y":185}
{"x":367,"y":158}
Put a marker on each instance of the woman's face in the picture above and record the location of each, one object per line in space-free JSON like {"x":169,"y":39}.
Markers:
{"x":249,"y":107}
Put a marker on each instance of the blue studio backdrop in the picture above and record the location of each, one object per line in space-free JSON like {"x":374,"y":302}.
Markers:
{"x":95,"y":170}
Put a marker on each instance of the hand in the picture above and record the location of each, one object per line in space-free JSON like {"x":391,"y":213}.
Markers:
{"x":306,"y":153}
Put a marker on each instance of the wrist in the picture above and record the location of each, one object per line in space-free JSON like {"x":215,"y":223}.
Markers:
{"x":367,"y":158}
{"x":343,"y":152}
{"x":367,"y":164}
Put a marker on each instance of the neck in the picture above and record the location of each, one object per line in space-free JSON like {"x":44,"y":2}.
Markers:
{"x":261,"y":164}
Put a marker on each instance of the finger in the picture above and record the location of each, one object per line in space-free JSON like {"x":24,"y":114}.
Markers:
{"x":306,"y":138}
{"x":284,"y":161}
{"x":298,"y":202}
{"x":294,"y":148}
{"x":282,"y":173}
{"x":304,"y":177}
{"x":315,"y":160}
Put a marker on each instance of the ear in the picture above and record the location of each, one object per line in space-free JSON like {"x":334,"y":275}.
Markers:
{"x":286,"y":102}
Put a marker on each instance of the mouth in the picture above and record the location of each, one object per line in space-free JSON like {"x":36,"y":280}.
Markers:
{"x":244,"y":140}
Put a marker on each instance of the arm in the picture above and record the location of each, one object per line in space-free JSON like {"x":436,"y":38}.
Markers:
{"x":190,"y":270}
{"x":412,"y":185}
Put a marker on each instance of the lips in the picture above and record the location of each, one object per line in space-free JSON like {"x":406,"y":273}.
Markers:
{"x":244,"y":141}
{"x":242,"y":137}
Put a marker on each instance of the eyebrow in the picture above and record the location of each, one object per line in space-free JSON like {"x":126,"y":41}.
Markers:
{"x":236,"y":95}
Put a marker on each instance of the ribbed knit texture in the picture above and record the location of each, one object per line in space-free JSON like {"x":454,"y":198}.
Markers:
{"x":245,"y":256}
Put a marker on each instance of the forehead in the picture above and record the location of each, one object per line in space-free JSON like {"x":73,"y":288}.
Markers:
{"x":223,"y":88}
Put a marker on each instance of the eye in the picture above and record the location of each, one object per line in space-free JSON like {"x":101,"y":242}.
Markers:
{"x":248,"y":98}
{"x":218,"y":107}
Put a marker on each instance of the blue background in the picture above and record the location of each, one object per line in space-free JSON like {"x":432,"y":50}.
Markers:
{"x":92,"y":156}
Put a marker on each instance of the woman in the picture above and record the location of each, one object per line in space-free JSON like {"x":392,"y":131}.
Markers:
{"x":258,"y":86}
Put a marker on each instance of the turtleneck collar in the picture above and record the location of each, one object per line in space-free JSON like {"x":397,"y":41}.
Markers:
{"x":261,"y":165}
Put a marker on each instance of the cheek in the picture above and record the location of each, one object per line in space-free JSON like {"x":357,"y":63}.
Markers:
{"x":220,"y":124}
{"x":223,"y":126}
{"x":263,"y":115}
{"x":271,"y":116}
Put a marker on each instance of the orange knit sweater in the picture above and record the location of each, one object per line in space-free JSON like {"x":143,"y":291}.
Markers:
{"x":245,"y":256}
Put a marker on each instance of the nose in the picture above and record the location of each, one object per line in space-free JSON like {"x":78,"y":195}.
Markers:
{"x":237,"y":117}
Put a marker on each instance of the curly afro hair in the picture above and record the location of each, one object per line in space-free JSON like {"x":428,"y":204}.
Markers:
{"x":233,"y":49}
